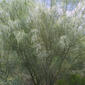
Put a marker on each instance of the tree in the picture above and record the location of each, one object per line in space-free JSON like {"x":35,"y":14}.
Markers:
{"x":48,"y":45}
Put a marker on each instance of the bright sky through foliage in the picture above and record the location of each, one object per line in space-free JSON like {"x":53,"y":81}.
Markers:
{"x":70,"y":5}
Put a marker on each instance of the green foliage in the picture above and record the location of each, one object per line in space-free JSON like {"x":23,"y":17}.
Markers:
{"x":72,"y":80}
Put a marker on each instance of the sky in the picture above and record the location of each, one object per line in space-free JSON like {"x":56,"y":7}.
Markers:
{"x":70,"y":6}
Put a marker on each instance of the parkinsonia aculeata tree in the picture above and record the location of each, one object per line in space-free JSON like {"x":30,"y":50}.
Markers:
{"x":47,"y":43}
